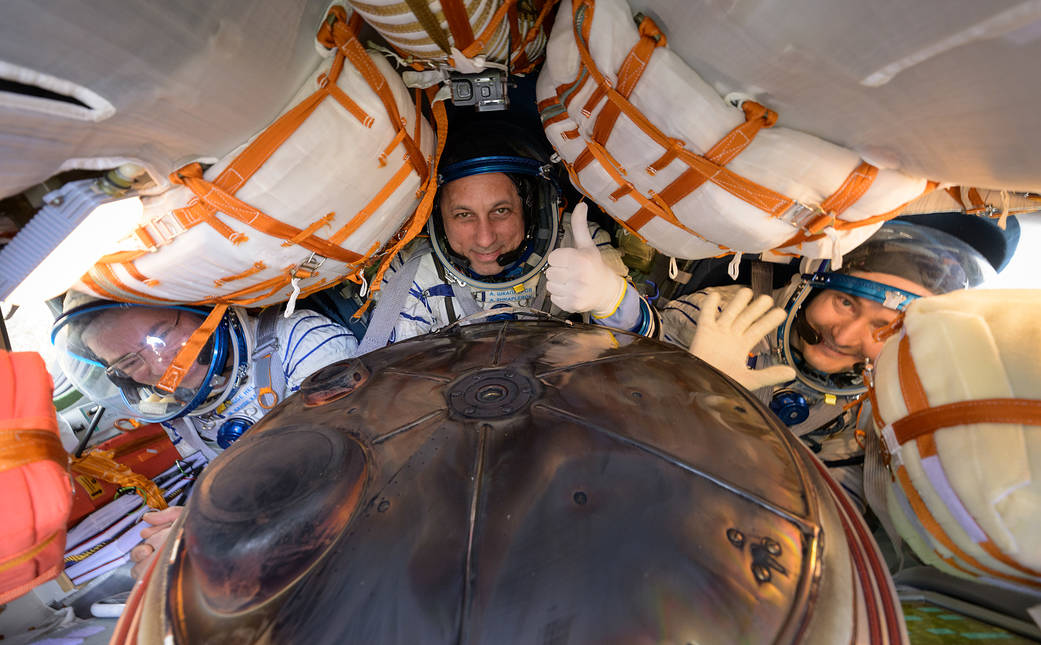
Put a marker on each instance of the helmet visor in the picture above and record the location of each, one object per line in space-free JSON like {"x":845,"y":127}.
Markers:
{"x":130,"y":347}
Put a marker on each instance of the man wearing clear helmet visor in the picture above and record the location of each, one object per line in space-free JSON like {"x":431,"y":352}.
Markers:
{"x":803,"y":349}
{"x":117,"y":353}
{"x":496,"y":241}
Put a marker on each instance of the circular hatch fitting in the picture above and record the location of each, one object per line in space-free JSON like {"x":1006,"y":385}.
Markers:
{"x":492,"y":393}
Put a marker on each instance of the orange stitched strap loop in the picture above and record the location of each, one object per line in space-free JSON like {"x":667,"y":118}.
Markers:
{"x":671,"y":152}
{"x":393,"y":144}
{"x":923,"y":422}
{"x":889,"y":330}
{"x":136,"y":274}
{"x":185,"y":358}
{"x":311,"y":229}
{"x":910,"y":384}
{"x":21,"y":446}
{"x":101,"y":464}
{"x":232,"y":206}
{"x":348,"y":103}
{"x":852,"y":189}
{"x":256,"y":268}
{"x":266,"y":288}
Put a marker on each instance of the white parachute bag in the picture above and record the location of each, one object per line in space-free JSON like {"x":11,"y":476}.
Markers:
{"x":691,"y":173}
{"x":313,"y":199}
{"x":957,"y":405}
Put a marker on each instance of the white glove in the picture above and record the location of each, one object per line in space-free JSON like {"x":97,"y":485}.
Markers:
{"x":724,"y":340}
{"x":578,"y":280}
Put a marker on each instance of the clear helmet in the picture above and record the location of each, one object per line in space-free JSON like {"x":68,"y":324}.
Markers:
{"x":488,"y":147}
{"x":107,"y":348}
{"x":896,"y":265}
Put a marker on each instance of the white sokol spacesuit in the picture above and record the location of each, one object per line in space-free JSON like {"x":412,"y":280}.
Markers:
{"x":431,"y":284}
{"x":824,"y":409}
{"x":114,"y":352}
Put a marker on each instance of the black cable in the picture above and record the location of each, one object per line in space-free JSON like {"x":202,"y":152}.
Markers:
{"x":94,"y":421}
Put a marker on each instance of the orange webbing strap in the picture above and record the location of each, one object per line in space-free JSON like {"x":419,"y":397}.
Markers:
{"x":101,"y":464}
{"x":136,"y":274}
{"x":928,"y":521}
{"x":350,"y":227}
{"x":876,"y":416}
{"x":955,"y":193}
{"x":115,"y":289}
{"x":975,"y":199}
{"x":522,"y":48}
{"x":312,"y":228}
{"x":910,"y":385}
{"x":477,"y":46}
{"x":340,"y":33}
{"x":419,"y":218}
{"x":213,"y":197}
{"x":458,"y":23}
{"x":759,"y":196}
{"x":925,"y":422}
{"x":757,"y":117}
{"x":890,"y":329}
{"x":181,"y":363}
{"x":257,"y":267}
{"x":20,"y":445}
{"x":653,"y":204}
{"x":920,"y":424}
{"x":851,"y":189}
{"x":842,"y":225}
{"x":629,"y":74}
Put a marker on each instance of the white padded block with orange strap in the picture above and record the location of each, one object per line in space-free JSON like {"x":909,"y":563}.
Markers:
{"x":329,"y":164}
{"x":980,"y":482}
{"x":786,"y":166}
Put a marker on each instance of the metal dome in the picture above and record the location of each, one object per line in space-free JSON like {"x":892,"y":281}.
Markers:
{"x":518,"y":482}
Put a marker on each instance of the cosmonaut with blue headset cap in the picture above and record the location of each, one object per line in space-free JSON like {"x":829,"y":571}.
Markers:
{"x":496,"y":240}
{"x":803,"y":349}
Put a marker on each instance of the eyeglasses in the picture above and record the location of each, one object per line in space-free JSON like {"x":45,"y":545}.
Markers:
{"x":126,"y":364}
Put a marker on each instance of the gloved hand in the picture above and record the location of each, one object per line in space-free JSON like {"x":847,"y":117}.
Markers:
{"x":724,"y":340}
{"x":577,"y":279}
{"x":154,"y":536}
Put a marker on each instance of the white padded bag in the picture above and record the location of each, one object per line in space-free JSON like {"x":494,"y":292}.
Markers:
{"x":958,"y":401}
{"x":302,"y":205}
{"x":695,"y":175}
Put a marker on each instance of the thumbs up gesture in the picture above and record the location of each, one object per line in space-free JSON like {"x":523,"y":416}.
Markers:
{"x":578,"y":280}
